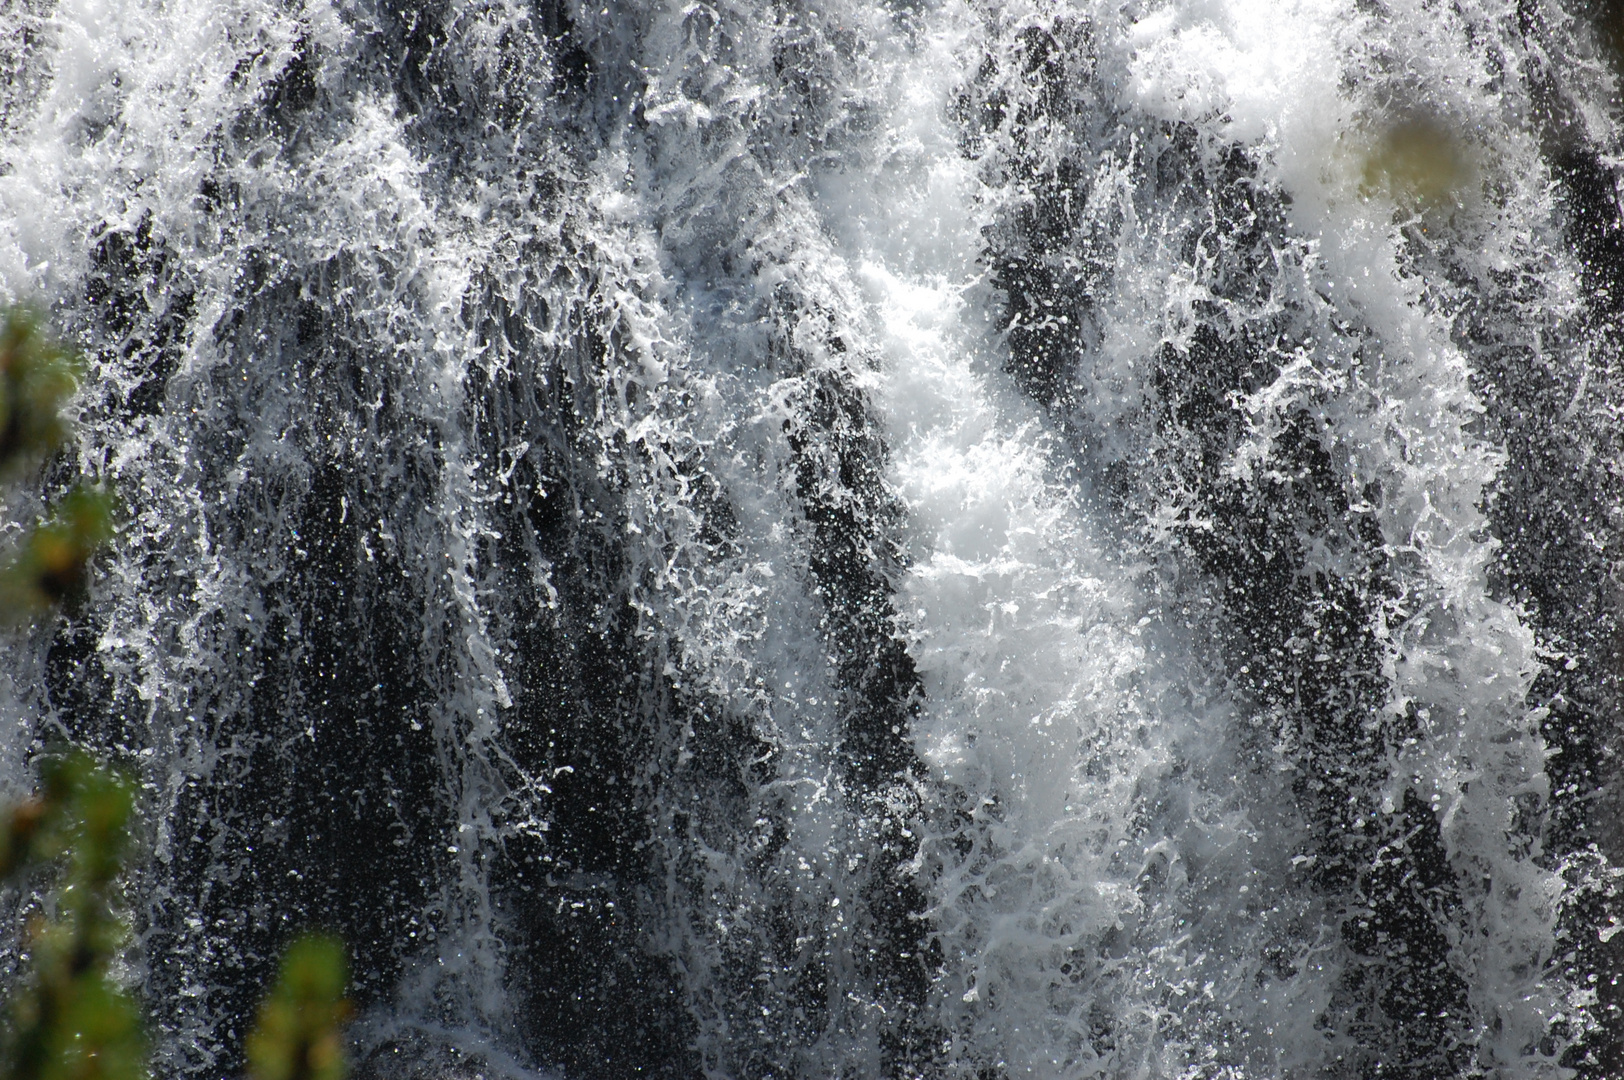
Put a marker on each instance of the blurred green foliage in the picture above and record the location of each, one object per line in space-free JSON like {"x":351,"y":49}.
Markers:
{"x":67,"y":1017}
{"x":301,"y":1024}
{"x":69,"y":1020}
{"x":53,"y":558}
{"x":48,"y":563}
{"x":36,"y":378}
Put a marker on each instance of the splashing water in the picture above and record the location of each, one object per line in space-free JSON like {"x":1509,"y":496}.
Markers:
{"x":763,"y":540}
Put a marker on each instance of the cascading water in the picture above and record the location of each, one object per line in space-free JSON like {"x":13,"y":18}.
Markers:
{"x":982,"y":539}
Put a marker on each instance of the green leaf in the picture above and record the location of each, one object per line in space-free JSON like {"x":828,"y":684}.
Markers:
{"x":300,"y":1034}
{"x":36,"y":377}
{"x":69,"y":1020}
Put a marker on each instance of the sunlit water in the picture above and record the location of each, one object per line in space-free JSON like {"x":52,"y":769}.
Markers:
{"x":950,"y":540}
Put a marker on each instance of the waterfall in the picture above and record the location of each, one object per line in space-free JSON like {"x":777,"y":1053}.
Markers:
{"x":966,"y":539}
